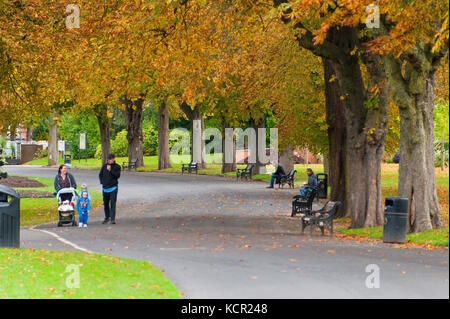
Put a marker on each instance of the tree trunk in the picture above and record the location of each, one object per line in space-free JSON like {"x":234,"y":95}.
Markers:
{"x":197,"y":128}
{"x":260,"y":168}
{"x":53,"y":156}
{"x":286,"y":159}
{"x":366,"y":113}
{"x":366,"y":118}
{"x":29,"y":134}
{"x":442,"y":156}
{"x":133,"y":118}
{"x":337,"y":139}
{"x":163,"y":136}
{"x":414,"y":94}
{"x":227,"y":167}
{"x":326,"y":166}
{"x":416,"y":172}
{"x":101,"y":112}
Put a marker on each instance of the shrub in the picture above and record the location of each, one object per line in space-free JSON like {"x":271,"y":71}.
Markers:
{"x":98,"y":152}
{"x":150,"y":143}
{"x":41,"y":153}
{"x":71,"y":127}
{"x":119,"y":146}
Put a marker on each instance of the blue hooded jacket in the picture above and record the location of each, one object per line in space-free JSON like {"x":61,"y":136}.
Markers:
{"x":83,"y":204}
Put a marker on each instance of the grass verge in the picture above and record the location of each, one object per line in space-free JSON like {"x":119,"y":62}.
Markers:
{"x":434,"y":237}
{"x":30,"y":273}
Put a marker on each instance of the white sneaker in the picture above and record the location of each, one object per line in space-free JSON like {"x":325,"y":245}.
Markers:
{"x":80,"y":225}
{"x":85,"y":225}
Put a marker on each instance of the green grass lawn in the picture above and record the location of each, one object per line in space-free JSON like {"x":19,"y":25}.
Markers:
{"x":29,"y":273}
{"x":34,"y":211}
{"x":435,"y":237}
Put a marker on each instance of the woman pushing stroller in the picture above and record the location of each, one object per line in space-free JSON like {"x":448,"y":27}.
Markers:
{"x":64,"y":179}
{"x":66,"y":195}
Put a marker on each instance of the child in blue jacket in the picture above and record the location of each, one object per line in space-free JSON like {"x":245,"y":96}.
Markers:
{"x":83,"y":208}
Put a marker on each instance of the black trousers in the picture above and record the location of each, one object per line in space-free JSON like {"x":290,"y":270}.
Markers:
{"x":109,"y":203}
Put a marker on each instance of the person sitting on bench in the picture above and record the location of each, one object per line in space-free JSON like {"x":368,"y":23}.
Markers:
{"x":275,"y":176}
{"x":312,"y":182}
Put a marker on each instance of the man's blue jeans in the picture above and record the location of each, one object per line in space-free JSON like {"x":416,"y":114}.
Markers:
{"x":272,"y":179}
{"x":303,"y":192}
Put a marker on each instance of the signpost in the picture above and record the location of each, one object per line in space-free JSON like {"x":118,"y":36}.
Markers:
{"x":61,"y":148}
{"x":83,"y":145}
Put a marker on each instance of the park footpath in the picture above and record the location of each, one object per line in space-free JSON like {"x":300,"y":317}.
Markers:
{"x":217,"y":238}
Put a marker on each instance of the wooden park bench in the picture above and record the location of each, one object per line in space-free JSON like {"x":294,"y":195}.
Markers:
{"x":322,"y":218}
{"x":246,"y":172}
{"x":192,"y":166}
{"x":300,"y":204}
{"x":287,"y":179}
{"x":130,"y":165}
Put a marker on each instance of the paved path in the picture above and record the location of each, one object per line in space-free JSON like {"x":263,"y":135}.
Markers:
{"x":216,"y":238}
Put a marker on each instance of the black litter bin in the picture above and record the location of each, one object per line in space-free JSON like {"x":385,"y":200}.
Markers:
{"x":322,"y":185}
{"x":395,"y":220}
{"x":68,"y":160}
{"x":2,"y":174}
{"x":9,"y":217}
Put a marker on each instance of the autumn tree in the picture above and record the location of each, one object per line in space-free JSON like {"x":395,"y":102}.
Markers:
{"x":413,"y":55}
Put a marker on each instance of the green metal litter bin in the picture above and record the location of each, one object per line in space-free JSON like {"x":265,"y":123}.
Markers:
{"x":9,"y":217}
{"x":395,"y":220}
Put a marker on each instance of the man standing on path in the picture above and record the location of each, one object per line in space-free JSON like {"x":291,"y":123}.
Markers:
{"x":109,"y":178}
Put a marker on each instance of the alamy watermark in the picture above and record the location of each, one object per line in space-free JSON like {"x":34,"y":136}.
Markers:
{"x":373,"y":279}
{"x":73,"y":279}
{"x":373,"y":17}
{"x":73,"y":19}
{"x":249,"y":140}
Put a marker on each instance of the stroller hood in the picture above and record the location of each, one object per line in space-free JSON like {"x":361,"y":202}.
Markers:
{"x":69,"y":192}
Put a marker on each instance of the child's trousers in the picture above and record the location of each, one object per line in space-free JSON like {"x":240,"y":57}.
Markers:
{"x":83,"y":218}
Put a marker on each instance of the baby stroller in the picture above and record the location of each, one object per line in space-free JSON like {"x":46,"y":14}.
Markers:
{"x":67,"y":199}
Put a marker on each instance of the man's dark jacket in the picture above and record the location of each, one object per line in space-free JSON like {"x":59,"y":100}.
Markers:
{"x":280,"y":171}
{"x":109,"y":178}
{"x":312,"y":181}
